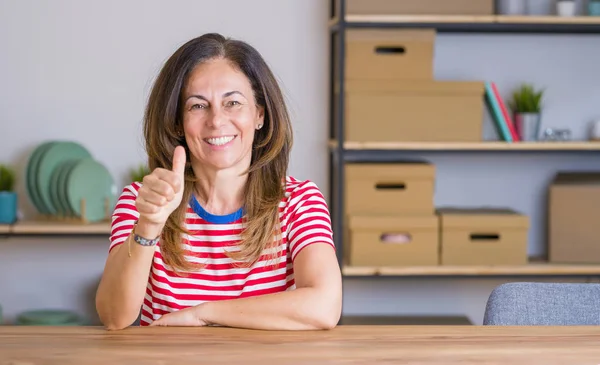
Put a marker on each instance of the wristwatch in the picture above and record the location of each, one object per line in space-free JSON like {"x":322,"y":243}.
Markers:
{"x":142,"y":240}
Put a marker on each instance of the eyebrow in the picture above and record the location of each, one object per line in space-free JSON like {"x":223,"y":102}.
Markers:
{"x":227,"y":94}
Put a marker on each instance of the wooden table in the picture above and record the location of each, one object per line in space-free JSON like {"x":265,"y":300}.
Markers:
{"x":343,"y":345}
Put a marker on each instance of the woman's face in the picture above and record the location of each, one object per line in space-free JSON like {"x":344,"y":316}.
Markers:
{"x":220,"y":116}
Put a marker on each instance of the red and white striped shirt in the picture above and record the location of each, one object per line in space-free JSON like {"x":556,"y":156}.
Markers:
{"x":304,"y":218}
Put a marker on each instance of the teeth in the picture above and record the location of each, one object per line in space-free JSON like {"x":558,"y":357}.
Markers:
{"x":219,"y":141}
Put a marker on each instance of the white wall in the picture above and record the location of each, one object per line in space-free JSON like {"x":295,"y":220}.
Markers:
{"x":81,"y":70}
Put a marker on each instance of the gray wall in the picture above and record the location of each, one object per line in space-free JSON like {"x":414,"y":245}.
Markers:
{"x":82,"y":71}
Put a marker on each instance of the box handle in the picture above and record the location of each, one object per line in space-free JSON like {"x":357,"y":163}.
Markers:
{"x":390,"y":50}
{"x":395,"y":238}
{"x":390,"y":186}
{"x":485,"y":236}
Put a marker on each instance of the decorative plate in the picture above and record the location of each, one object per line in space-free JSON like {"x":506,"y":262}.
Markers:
{"x":90,"y":181}
{"x":54,"y":156}
{"x":31,"y":176}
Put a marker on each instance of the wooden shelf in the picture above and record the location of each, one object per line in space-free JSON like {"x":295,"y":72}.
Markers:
{"x":49,"y":227}
{"x":476,"y":23}
{"x":472,"y":146}
{"x":503,"y":19}
{"x":547,"y":19}
{"x":393,"y":18}
{"x":4,"y":228}
{"x":532,"y":269}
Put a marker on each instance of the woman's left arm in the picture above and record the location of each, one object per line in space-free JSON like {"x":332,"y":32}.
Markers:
{"x":314,"y":304}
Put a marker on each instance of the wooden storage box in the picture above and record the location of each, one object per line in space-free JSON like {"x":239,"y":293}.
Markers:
{"x":414,"y":111}
{"x":392,"y":241}
{"x":390,"y":188}
{"x":574,"y":218}
{"x":420,"y":7}
{"x":384,"y":54}
{"x":483,"y":237}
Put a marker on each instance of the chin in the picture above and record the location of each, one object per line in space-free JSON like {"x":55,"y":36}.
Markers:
{"x":222,"y":164}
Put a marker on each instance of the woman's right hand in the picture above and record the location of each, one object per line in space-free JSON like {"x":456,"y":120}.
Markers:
{"x":161,"y":192}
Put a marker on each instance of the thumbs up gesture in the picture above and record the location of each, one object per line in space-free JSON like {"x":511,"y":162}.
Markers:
{"x":162,"y":191}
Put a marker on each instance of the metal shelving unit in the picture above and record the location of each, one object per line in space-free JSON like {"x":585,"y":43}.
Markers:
{"x":341,"y":151}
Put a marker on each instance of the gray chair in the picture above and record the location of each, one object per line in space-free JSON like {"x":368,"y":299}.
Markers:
{"x":539,"y":304}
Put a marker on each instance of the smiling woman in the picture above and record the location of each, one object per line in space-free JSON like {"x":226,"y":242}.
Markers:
{"x":218,"y":233}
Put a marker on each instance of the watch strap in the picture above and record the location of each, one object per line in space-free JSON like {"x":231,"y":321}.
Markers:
{"x":143,"y":240}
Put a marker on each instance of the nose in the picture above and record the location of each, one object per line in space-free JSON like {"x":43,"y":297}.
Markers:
{"x":216,"y":117}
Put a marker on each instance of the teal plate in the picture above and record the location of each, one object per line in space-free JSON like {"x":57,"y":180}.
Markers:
{"x":62,"y":187}
{"x":53,"y":157}
{"x":89,"y":180}
{"x":62,"y":191}
{"x":57,"y":187}
{"x":31,"y":176}
{"x":48,"y":317}
{"x":54,"y":187}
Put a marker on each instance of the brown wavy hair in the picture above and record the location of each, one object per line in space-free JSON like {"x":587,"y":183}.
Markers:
{"x":163,"y":126}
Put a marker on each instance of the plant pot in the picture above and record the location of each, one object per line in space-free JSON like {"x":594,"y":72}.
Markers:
{"x":540,"y":7}
{"x":8,"y":207}
{"x":565,"y":7}
{"x":512,"y":7}
{"x":528,"y":126}
{"x":594,"y":8}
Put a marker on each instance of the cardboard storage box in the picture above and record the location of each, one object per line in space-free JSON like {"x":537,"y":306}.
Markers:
{"x":420,"y":7}
{"x":574,"y":218}
{"x":384,"y":54}
{"x":392,"y":241}
{"x":483,"y":236}
{"x":414,"y":111}
{"x":390,"y":188}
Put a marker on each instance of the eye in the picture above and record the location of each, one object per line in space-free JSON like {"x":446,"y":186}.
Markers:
{"x":233,"y":103}
{"x":197,"y":106}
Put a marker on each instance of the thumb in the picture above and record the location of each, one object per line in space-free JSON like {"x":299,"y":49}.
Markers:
{"x":179,"y":160}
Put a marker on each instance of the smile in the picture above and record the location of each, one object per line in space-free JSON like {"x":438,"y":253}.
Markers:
{"x":219,"y":141}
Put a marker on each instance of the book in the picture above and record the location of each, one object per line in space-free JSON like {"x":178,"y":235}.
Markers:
{"x":496,"y":113}
{"x":507,"y":119}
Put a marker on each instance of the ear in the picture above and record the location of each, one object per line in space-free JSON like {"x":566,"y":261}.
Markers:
{"x":260,"y":120}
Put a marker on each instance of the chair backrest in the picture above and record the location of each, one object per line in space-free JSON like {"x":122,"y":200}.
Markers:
{"x":538,"y":304}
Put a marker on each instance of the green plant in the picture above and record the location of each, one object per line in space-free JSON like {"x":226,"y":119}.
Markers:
{"x":527,"y":100}
{"x":7,"y":178}
{"x":137,"y":174}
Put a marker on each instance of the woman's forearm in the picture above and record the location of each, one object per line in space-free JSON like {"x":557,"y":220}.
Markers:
{"x":123,"y":286}
{"x":300,"y":309}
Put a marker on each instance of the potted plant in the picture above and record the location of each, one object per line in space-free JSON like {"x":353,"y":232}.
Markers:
{"x":526,"y":105}
{"x":8,"y":197}
{"x":137,"y":174}
{"x":594,"y":7}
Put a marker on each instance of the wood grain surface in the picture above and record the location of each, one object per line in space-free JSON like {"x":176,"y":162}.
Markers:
{"x":532,"y":269}
{"x":402,"y":18}
{"x":471,"y":146}
{"x":343,"y":345}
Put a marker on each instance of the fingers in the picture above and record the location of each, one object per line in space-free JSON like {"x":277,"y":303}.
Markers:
{"x":161,"y":192}
{"x":154,"y":197}
{"x":179,"y":161}
{"x":144,"y":207}
{"x":156,"y":187}
{"x":171,"y":178}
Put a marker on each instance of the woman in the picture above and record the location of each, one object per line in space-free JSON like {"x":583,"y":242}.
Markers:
{"x":217,"y":234}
